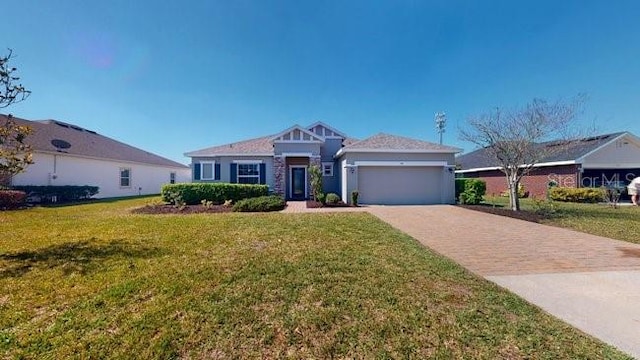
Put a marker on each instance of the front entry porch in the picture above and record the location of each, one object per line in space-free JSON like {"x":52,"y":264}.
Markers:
{"x":292,"y":176}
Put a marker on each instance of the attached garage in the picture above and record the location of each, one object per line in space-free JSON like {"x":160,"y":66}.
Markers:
{"x":401,"y":185}
{"x":394,"y":170}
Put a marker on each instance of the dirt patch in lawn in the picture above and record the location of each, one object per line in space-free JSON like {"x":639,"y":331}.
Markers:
{"x":522,"y":214}
{"x":188,"y":209}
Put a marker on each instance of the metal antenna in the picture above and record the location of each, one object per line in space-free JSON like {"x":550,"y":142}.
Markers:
{"x":441,"y":120}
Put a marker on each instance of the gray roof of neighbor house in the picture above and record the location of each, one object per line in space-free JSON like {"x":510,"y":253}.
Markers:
{"x":59,"y":137}
{"x":393,"y":142}
{"x":573,"y":150}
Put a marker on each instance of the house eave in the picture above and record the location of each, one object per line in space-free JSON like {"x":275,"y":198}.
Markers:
{"x":192,"y":154}
{"x":59,"y":153}
{"x":544,"y":164}
{"x":401,"y":163}
{"x":397,"y":151}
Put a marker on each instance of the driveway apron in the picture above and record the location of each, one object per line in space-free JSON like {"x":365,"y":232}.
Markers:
{"x":591,"y":282}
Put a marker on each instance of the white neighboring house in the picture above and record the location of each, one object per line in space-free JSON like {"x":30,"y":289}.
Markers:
{"x":66,"y":154}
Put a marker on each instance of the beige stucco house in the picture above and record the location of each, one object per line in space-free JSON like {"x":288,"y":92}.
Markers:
{"x":67,"y":154}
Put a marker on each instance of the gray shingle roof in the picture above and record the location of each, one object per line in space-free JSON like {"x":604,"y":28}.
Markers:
{"x":393,"y":142}
{"x":575,"y":150}
{"x":264,"y":146}
{"x":261,"y":146}
{"x":86,"y":143}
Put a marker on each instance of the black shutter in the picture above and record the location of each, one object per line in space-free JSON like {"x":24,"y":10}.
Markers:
{"x":263,"y":174}
{"x":234,"y":173}
{"x":216,"y":174}
{"x":196,"y":171}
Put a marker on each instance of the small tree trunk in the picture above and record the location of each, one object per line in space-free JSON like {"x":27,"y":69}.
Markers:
{"x":514,"y":201}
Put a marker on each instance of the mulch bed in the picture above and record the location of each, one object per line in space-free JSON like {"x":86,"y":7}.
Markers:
{"x":189,"y":209}
{"x":522,"y":214}
{"x":315,"y":204}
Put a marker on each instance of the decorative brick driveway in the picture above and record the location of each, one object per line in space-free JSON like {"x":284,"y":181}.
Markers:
{"x":495,"y":245}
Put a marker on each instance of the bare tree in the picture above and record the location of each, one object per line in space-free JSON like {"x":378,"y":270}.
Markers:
{"x":515,"y":139}
{"x":15,"y":154}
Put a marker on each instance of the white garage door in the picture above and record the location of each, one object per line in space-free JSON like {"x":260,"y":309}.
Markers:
{"x":400,"y":185}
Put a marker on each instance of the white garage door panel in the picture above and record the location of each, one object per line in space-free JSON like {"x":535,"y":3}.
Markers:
{"x":400,"y":185}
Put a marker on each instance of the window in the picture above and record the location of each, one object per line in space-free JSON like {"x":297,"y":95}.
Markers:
{"x":248,"y":173}
{"x":327,"y":169}
{"x":208,"y":170}
{"x":125,"y":177}
{"x":172,"y":178}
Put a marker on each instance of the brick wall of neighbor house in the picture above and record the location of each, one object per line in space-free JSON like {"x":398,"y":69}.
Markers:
{"x":535,"y":182}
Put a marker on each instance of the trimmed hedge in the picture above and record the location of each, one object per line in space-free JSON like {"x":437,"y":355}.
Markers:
{"x":66,"y":193}
{"x":260,"y":204}
{"x":12,"y":199}
{"x":580,"y":195}
{"x":470,"y":191}
{"x":217,"y":193}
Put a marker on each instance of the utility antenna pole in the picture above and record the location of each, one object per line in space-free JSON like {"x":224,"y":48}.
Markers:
{"x":441,"y":120}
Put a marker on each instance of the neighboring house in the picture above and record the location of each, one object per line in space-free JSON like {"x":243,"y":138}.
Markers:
{"x":385,"y":169}
{"x":604,"y":160}
{"x":66,"y":154}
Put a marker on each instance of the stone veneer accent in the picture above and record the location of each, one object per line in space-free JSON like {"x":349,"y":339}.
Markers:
{"x":280,"y":175}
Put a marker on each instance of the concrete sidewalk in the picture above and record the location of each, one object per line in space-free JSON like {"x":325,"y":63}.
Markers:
{"x":591,"y":282}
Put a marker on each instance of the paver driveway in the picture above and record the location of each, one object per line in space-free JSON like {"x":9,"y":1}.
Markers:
{"x":589,"y":281}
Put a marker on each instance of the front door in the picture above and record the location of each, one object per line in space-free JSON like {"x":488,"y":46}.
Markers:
{"x":298,"y":183}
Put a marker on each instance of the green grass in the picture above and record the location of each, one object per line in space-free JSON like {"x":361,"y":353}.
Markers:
{"x":93,"y":281}
{"x":622,"y":223}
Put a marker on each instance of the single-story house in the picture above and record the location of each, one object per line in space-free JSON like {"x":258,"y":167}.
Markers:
{"x":603,"y":160}
{"x":384,"y":169}
{"x":66,"y":154}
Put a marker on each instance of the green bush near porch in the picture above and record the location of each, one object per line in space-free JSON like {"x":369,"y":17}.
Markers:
{"x":260,"y":204}
{"x":217,"y":193}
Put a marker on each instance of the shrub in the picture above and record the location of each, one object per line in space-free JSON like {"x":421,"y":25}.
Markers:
{"x":12,"y":199}
{"x":521,"y":192}
{"x":260,"y":204}
{"x":217,"y":193}
{"x":315,"y":179}
{"x":470,"y":191}
{"x":332,"y":198}
{"x":322,"y":198}
{"x":544,"y":207}
{"x":582,"y":195}
{"x":175,"y":199}
{"x":66,"y":193}
{"x":460,"y":183}
{"x":207,"y":204}
{"x":354,"y":197}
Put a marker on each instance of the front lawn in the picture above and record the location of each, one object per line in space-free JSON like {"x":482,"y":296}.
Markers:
{"x":622,"y":223}
{"x":95,"y":281}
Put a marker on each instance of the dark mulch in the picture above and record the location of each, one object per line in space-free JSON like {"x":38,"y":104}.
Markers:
{"x":522,"y":214}
{"x":189,"y":209}
{"x":315,"y":204}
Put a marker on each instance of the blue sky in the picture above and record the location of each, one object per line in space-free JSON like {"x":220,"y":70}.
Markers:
{"x":176,"y":76}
